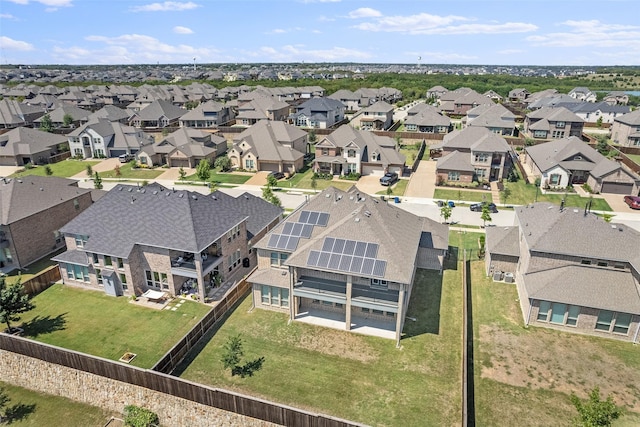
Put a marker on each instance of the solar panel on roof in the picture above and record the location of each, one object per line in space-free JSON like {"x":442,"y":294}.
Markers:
{"x":282,"y":242}
{"x":334,"y":261}
{"x":304,"y":216}
{"x":361,"y":248}
{"x":349,"y":247}
{"x":345,"y":263}
{"x":323,"y":219}
{"x":296,"y":229}
{"x":292,"y":244}
{"x":323,"y":260}
{"x":379,"y":267}
{"x":328,"y":244}
{"x":312,"y":260}
{"x":313,"y":217}
{"x":338,"y":247}
{"x":372,"y":250}
{"x":356,"y":264}
{"x":273,"y":241}
{"x":307,"y":229}
{"x":367,"y":266}
{"x":287,"y":228}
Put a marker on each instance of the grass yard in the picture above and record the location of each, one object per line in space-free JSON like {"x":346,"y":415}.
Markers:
{"x":222,"y":177}
{"x":31,"y":408}
{"x":302,"y":180}
{"x":457,"y":195}
{"x":360,"y":378}
{"x":398,"y":188}
{"x":95,"y":323}
{"x":524,"y":376}
{"x":634,"y":157}
{"x":522,"y":194}
{"x":127,"y":172}
{"x":34,"y":268}
{"x":64,"y":169}
{"x":411,"y":152}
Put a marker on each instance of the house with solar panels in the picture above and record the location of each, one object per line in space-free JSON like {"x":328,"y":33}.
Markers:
{"x":348,"y":261}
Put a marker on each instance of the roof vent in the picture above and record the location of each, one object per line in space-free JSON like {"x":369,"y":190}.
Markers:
{"x":327,"y":195}
{"x":180,"y":195}
{"x":613,"y":226}
{"x":120,"y":189}
{"x":246,"y":197}
{"x":194,"y":197}
{"x":41,"y":189}
{"x":357,"y":219}
{"x":19,"y":180}
{"x":367,"y":214}
{"x":129,"y":189}
{"x":168,"y":193}
{"x":155,"y":192}
{"x":214,"y":197}
{"x":142,"y":191}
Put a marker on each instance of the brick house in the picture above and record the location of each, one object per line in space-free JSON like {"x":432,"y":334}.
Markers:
{"x":573,"y":271}
{"x":136,"y":239}
{"x":347,"y":258}
{"x":626,"y":129}
{"x":553,"y":123}
{"x":33,"y":209}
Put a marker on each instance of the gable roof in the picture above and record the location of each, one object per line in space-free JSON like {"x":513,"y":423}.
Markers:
{"x":368,"y":142}
{"x":631,"y":119}
{"x":267,"y":138}
{"x":555,"y":114}
{"x":28,"y":141}
{"x":503,"y":241}
{"x":562,"y":151}
{"x":160,"y":108}
{"x":475,"y":139}
{"x":26,"y":196}
{"x":455,"y":161}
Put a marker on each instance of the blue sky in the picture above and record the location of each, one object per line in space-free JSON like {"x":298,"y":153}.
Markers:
{"x":518,"y":32}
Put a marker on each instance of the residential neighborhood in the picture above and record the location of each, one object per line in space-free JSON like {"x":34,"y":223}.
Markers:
{"x":354,"y":238}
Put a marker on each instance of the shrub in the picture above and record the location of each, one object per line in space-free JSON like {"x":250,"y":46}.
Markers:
{"x":136,"y":416}
{"x":28,"y":166}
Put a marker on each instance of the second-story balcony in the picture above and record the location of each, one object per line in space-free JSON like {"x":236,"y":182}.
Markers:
{"x":185,"y":265}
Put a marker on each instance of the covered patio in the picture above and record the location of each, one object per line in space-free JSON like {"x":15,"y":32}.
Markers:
{"x":359,"y":325}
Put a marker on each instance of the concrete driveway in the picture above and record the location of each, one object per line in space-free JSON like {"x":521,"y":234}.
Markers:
{"x":8,"y":170}
{"x":423,"y":180}
{"x":259,"y":178}
{"x":173,"y":174}
{"x":616,"y":201}
{"x":370,"y":184}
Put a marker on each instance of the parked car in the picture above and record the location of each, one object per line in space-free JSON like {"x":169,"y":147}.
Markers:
{"x":277,"y":175}
{"x":632,"y":201}
{"x":477,"y":207}
{"x":124,"y":158}
{"x":389,"y":178}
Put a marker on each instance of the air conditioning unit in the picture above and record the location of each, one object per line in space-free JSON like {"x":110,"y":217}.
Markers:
{"x":508,"y":277}
{"x":497,"y":276}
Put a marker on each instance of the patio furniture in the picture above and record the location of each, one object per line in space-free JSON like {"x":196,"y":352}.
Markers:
{"x":155,"y":296}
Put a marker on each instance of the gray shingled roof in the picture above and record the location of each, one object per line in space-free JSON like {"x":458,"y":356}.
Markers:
{"x":570,"y":153}
{"x":161,"y":108}
{"x":475,"y":139}
{"x":455,"y":161}
{"x":503,"y":241}
{"x":398,"y":232}
{"x":23,"y":197}
{"x":28,"y":141}
{"x":152,"y":216}
{"x":555,"y":114}
{"x":368,"y":142}
{"x":268,"y":140}
{"x":632,"y":118}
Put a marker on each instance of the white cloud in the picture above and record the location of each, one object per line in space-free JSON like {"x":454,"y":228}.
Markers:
{"x":425,"y":23}
{"x":54,"y":4}
{"x":296,"y":53}
{"x":11,"y":44}
{"x":167,"y":6}
{"x":364,"y":12}
{"x":284,"y":30}
{"x":593,"y":34}
{"x":182,"y":30}
{"x":7,"y":16}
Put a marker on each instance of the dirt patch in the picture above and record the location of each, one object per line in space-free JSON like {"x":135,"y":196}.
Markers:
{"x":336,"y":343}
{"x":551,"y":360}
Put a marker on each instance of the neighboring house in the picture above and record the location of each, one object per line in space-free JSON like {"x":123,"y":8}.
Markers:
{"x":426,"y":118}
{"x":349,"y":99}
{"x":583,"y":94}
{"x":493,"y":95}
{"x":592,"y":112}
{"x":584,"y":282}
{"x":102,"y":138}
{"x":626,"y":129}
{"x":555,"y":100}
{"x":518,"y":95}
{"x":112,"y":114}
{"x":435,"y":93}
{"x":158,"y":114}
{"x":136,"y":239}
{"x":185,"y":147}
{"x":570,"y":161}
{"x":270,"y":146}
{"x":208,"y":115}
{"x":472,"y":154}
{"x":57,"y":116}
{"x":464,"y":102}
{"x":348,"y":150}
{"x":553,"y":123}
{"x":348,"y":258}
{"x":546,"y":93}
{"x":14,"y":114}
{"x":33,"y":209}
{"x":378,"y":116}
{"x":318,"y":113}
{"x":494,"y":117}
{"x":262,"y":108}
{"x":22,"y":145}
{"x":616,"y":98}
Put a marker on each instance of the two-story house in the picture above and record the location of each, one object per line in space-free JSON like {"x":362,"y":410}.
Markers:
{"x":346,"y":260}
{"x":158,"y":114}
{"x":319,"y":113}
{"x":350,"y":100}
{"x":348,"y":150}
{"x":570,"y":161}
{"x":494,"y":117}
{"x":208,"y":115}
{"x":458,"y":103}
{"x":427,"y":119}
{"x":185,"y":147}
{"x":472,"y":154}
{"x":14,"y":114}
{"x":553,"y":123}
{"x":101,"y":138}
{"x":136,"y":239}
{"x":261,"y":108}
{"x":626,"y":129}
{"x":574,"y":271}
{"x":32,"y":210}
{"x":378,"y":116}
{"x":582,"y":93}
{"x":270,"y":146}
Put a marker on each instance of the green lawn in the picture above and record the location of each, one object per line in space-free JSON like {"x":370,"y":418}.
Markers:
{"x":527,"y":374}
{"x":127,"y":172}
{"x":222,"y":177}
{"x":356,"y":377}
{"x":457,"y":195}
{"x":65,"y":168}
{"x":410,"y":152}
{"x":522,"y":194}
{"x":33,"y":269}
{"x":95,"y":323}
{"x":302,"y":180}
{"x":634,"y":157}
{"x":398,"y":188}
{"x":35,"y":409}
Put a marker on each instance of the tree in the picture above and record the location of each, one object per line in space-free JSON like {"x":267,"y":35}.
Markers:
{"x":595,"y":412}
{"x":312,"y":136}
{"x":505,"y":193}
{"x":67,"y":120}
{"x":203,"y":170}
{"x":117,"y":172}
{"x":267,"y":194}
{"x":486,"y":215}
{"x":445,"y":212}
{"x":232,"y":358}
{"x":223,"y":163}
{"x":602,"y":146}
{"x":599,"y":122}
{"x":314,"y":182}
{"x":89,"y":170}
{"x":97,"y":181}
{"x":136,"y":416}
{"x":46,"y":124}
{"x":182,"y":173}
{"x":13,"y":302}
{"x":4,"y":401}
{"x":48,"y":171}
{"x":389,"y":190}
{"x":272,"y":181}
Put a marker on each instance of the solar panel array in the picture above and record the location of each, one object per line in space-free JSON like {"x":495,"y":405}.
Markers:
{"x":348,"y":256}
{"x":292,"y":231}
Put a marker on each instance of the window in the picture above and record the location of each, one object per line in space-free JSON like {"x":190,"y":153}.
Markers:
{"x":378,"y":312}
{"x":605,"y":317}
{"x":481,"y":157}
{"x":95,"y":259}
{"x":156,"y":279}
{"x":621,"y":325}
{"x":120,"y":263}
{"x":585,"y":262}
{"x":78,"y":272}
{"x":248,"y":164}
{"x":480,"y":173}
{"x":365,"y":310}
{"x":351,"y":153}
{"x":572,"y":315}
{"x":234,"y":260}
{"x":278,"y":259}
{"x":325,"y":151}
{"x":453,"y":176}
{"x":76,"y":204}
{"x":352,"y":168}
{"x":557,"y":313}
{"x":543,"y":312}
{"x":554,"y":179}
{"x":271,"y":295}
{"x":379,"y":283}
{"x":123,"y":280}
{"x":539,"y":133}
{"x":78,"y":152}
{"x":558,"y":134}
{"x":603,"y":264}
{"x":99,"y":276}
{"x":561,"y":125}
{"x":59,"y":238}
{"x":81,"y":241}
{"x":98,"y":152}
{"x":107,"y":261}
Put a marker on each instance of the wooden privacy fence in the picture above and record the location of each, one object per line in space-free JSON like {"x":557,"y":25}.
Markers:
{"x":163,"y":383}
{"x":42,"y":281}
{"x":176,"y":354}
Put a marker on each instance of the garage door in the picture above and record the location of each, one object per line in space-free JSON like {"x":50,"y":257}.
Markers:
{"x":271,"y":167}
{"x":617,"y":188}
{"x":179,"y":163}
{"x":116,"y":153}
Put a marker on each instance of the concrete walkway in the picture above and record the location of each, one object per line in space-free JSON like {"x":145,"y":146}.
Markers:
{"x":423,"y":181}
